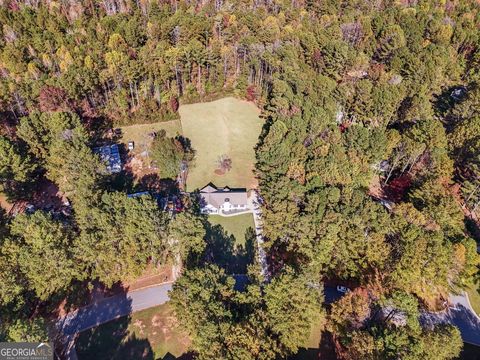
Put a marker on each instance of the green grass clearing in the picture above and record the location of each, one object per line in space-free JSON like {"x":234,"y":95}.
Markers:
{"x":474,"y":298}
{"x":139,"y":133}
{"x":148,"y":334}
{"x":234,"y":225}
{"x":227,"y":242}
{"x":315,"y":334}
{"x":312,"y":348}
{"x":226,"y":126}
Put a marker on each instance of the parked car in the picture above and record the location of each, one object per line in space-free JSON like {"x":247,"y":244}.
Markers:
{"x":342,"y":289}
{"x":30,"y":209}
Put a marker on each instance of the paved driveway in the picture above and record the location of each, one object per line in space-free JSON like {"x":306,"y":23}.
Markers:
{"x":112,"y":308}
{"x":117,"y":306}
{"x":254,"y":205}
{"x":460,"y":315}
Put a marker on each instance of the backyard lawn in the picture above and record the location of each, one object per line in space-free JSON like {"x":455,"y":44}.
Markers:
{"x":315,"y":347}
{"x":234,"y":225}
{"x":149,"y":334}
{"x":474,"y":298}
{"x":139,"y":133}
{"x":231,"y":242}
{"x":223,"y":127}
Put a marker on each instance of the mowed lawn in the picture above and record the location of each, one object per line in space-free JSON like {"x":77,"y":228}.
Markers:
{"x":139,"y":133}
{"x":148,"y":334}
{"x":474,"y":298}
{"x":234,"y":225}
{"x":227,"y":126}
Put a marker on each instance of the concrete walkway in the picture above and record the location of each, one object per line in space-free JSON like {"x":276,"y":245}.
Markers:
{"x":112,"y":308}
{"x":221,"y":213}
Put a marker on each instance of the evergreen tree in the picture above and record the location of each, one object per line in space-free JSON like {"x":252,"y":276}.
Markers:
{"x":119,"y":236}
{"x":41,"y":247}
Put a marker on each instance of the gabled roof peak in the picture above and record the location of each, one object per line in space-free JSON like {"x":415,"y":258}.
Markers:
{"x":209,"y":188}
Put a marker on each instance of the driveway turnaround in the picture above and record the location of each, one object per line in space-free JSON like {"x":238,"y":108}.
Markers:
{"x":459,"y":314}
{"x":112,"y":308}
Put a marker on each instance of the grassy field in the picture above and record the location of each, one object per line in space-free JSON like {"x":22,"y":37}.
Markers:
{"x":315,"y":334}
{"x":139,"y":133}
{"x":229,"y":242}
{"x":227,"y":126}
{"x":474,"y":298}
{"x":149,"y":334}
{"x":313,"y":349}
{"x":234,"y":225}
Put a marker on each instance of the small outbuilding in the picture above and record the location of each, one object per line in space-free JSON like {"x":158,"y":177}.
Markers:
{"x":110,"y":155}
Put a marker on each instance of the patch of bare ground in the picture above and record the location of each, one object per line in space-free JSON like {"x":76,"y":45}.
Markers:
{"x":150,"y":277}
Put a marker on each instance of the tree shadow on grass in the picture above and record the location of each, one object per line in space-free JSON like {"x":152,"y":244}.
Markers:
{"x":221,"y":249}
{"x":185,"y":356}
{"x":246,"y":254}
{"x":113,"y":341}
{"x":324,"y":351}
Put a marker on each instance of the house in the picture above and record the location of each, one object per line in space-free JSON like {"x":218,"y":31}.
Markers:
{"x":110,"y":155}
{"x":215,"y":200}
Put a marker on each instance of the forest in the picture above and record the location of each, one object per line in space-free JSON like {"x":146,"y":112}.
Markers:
{"x":368,"y":163}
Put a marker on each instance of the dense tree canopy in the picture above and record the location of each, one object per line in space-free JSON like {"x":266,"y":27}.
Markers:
{"x":228,"y":324}
{"x":368,"y":163}
{"x":120,"y":235}
{"x":16,"y":168}
{"x":170,"y":154}
{"x":389,"y":328}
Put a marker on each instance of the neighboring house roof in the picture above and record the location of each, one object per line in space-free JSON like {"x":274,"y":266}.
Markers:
{"x":138,"y":194}
{"x":214,"y":196}
{"x":110,"y":155}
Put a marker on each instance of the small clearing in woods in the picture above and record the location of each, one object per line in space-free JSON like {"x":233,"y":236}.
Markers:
{"x":138,"y":161}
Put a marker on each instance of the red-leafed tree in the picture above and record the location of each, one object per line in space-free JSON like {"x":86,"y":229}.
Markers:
{"x":251,"y":94}
{"x":174,"y":104}
{"x":54,"y":99}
